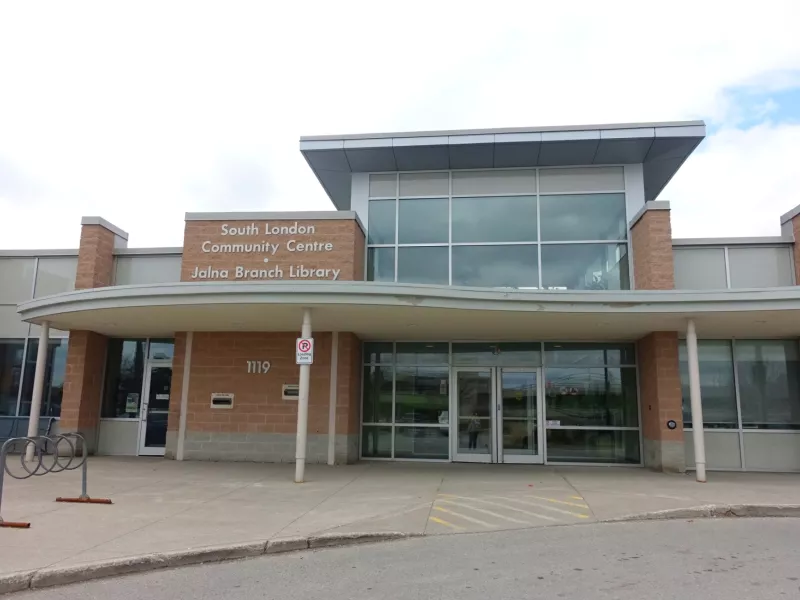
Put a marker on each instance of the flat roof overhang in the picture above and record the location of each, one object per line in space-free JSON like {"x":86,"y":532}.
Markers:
{"x":660,"y":147}
{"x":417,"y":312}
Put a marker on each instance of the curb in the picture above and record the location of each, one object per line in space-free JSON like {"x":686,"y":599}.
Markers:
{"x":714,"y":511}
{"x":51,"y":576}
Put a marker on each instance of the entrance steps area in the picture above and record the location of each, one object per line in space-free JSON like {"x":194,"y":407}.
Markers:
{"x":166,"y":506}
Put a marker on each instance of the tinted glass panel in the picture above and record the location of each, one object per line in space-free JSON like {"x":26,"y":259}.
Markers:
{"x":422,"y":442}
{"x":494,"y":219}
{"x":700,"y":269}
{"x":382,"y":214}
{"x":717,"y":387}
{"x":57,"y":275}
{"x":380,"y":264}
{"x":55,"y":369}
{"x":769,"y":383}
{"x":581,"y":179}
{"x":588,"y":354}
{"x":760,"y":267}
{"x":11,"y":352}
{"x":423,"y":353}
{"x":16,"y":279}
{"x":506,"y":354}
{"x":586,"y":445}
{"x":474,"y":183}
{"x":376,"y":442}
{"x":423,"y":265}
{"x":378,"y":352}
{"x":162,"y":349}
{"x":383,"y":185}
{"x":592,"y":397}
{"x":422,"y":395}
{"x":585,"y":267}
{"x":424,"y":184}
{"x":583,"y":217}
{"x":377,"y":395}
{"x":423,"y":221}
{"x":124,"y":377}
{"x":496,"y":266}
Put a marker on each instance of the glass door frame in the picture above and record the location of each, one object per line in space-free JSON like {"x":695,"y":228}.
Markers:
{"x":144,"y":408}
{"x":497,"y":455}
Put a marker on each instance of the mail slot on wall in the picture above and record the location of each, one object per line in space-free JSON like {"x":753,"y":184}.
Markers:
{"x":291,"y":391}
{"x":222,"y":400}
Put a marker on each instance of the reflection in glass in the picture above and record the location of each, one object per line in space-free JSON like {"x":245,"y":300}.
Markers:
{"x":604,"y":397}
{"x":593,"y":446}
{"x":423,"y":265}
{"x":162,"y":349}
{"x":421,"y":442}
{"x":11,"y":352}
{"x":579,"y":354}
{"x":423,"y":353}
{"x":124,"y":379}
{"x":519,"y":412}
{"x":158,"y":407}
{"x":496,"y":266}
{"x":380,"y":264}
{"x":508,"y":354}
{"x":769,"y":383}
{"x":474,"y":398}
{"x":376,"y":441}
{"x":378,"y":352}
{"x":423,"y":221}
{"x":717,"y":387}
{"x":382,"y":215}
{"x":497,"y":219}
{"x":377,"y":395}
{"x":55,"y":370}
{"x":421,"y":394}
{"x":585,"y":267}
{"x":567,"y":218}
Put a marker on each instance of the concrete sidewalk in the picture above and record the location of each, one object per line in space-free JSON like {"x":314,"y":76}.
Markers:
{"x":165,"y":506}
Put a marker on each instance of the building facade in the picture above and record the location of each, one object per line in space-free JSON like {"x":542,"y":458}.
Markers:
{"x":499,"y":296}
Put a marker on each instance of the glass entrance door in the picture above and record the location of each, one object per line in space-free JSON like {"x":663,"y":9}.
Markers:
{"x":497,"y":415}
{"x":155,"y":410}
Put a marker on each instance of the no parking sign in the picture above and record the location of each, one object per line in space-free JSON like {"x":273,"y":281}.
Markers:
{"x":305,"y":351}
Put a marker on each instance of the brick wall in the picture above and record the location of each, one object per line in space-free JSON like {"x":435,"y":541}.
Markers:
{"x":83,"y":383}
{"x":95,"y":258}
{"x":261,"y":425}
{"x":651,"y":241}
{"x":660,"y":397}
{"x":340,"y":247}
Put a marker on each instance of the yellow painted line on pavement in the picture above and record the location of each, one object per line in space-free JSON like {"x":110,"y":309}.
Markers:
{"x":577,"y":498}
{"x":465,"y":517}
{"x":445,"y":523}
{"x":486,"y":512}
{"x":544,"y":506}
{"x":560,"y":501}
{"x":507,"y":507}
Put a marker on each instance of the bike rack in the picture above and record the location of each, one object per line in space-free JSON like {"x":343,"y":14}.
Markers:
{"x":64,"y":452}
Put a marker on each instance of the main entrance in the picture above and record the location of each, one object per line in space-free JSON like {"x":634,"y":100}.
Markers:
{"x":155,"y":409}
{"x":497,"y":415}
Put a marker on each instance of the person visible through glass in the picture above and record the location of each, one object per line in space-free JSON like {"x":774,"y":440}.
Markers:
{"x":473,"y":429}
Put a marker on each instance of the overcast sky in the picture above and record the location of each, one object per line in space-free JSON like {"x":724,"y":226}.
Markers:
{"x":141,"y":111}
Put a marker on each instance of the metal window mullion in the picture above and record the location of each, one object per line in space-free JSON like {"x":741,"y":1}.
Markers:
{"x":727,"y":268}
{"x":396,"y":238}
{"x":738,"y":397}
{"x":538,"y":231}
{"x":450,"y":228}
{"x":22,"y":375}
{"x":394,"y":392}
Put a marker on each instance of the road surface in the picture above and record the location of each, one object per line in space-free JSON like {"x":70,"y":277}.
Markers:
{"x":726,"y":558}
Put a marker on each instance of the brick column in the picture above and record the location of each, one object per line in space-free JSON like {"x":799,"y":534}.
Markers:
{"x":86,"y":354}
{"x":790,"y":228}
{"x":651,"y":241}
{"x":660,"y":396}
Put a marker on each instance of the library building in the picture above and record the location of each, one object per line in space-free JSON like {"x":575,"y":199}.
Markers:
{"x":497,"y":296}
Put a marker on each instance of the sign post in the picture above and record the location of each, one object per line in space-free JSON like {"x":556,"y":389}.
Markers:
{"x":304,"y":348}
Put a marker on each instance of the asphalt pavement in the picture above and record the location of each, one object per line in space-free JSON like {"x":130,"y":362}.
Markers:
{"x":711,"y":559}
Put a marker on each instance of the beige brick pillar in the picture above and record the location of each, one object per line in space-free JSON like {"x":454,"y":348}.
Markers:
{"x":83,"y":380}
{"x":659,"y":377}
{"x":790,"y":229}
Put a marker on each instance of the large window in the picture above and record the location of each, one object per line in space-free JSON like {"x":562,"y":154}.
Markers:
{"x":519,"y":228}
{"x":124,"y":378}
{"x":17,"y":373}
{"x":11,"y":353}
{"x":406,"y":401}
{"x":591,"y":405}
{"x":763,"y":374}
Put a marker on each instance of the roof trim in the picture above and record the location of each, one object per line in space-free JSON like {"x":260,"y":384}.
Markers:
{"x":103,"y":223}
{"x":311,"y":215}
{"x":36,"y":253}
{"x":730,"y":241}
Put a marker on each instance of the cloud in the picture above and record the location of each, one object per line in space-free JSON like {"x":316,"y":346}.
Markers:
{"x":141,"y":111}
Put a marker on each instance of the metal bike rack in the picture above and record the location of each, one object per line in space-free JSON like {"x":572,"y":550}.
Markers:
{"x":51,"y":454}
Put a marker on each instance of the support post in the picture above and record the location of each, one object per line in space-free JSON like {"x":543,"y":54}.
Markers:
{"x":696,"y":404}
{"x":332,"y":407}
{"x":187,"y":369}
{"x":38,"y":388}
{"x":302,"y":407}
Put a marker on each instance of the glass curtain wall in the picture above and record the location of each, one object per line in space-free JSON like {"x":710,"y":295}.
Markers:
{"x":17,"y":370}
{"x":519,"y":228}
{"x":766,"y":375}
{"x":591,"y":401}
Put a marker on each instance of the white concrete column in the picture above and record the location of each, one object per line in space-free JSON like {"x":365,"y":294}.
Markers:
{"x":38,"y":387}
{"x":187,"y":369}
{"x":302,"y":407}
{"x":697,"y":407}
{"x":332,"y":405}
